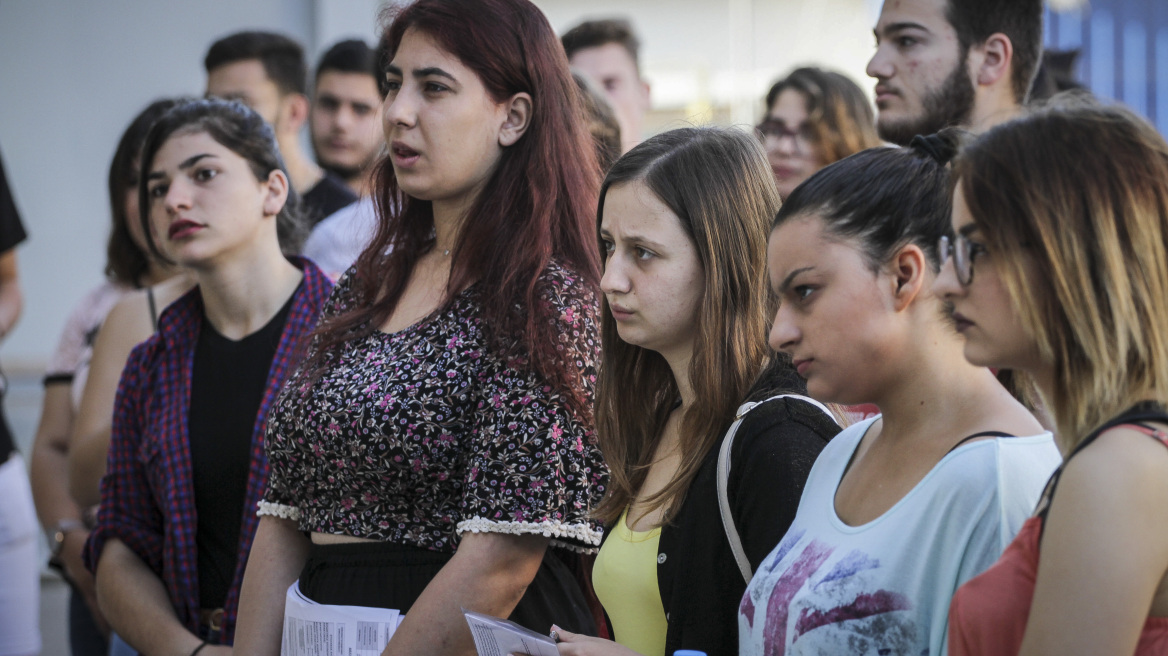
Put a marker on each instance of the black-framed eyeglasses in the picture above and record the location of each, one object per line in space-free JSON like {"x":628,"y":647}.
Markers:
{"x":803,"y":136}
{"x":962,"y":251}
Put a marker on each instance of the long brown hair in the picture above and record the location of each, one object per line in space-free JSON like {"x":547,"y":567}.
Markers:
{"x":719,"y":184}
{"x":838,"y":112}
{"x":1073,"y":202}
{"x":536,"y":206}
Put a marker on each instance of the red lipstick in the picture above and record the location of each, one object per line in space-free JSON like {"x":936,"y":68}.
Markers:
{"x":182,"y":228}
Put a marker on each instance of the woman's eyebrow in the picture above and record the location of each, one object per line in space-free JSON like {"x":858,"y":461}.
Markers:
{"x":433,"y":70}
{"x":643,"y":240}
{"x":786,"y":284}
{"x":421,"y":72}
{"x":186,"y":164}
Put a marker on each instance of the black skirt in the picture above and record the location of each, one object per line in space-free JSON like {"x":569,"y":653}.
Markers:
{"x":385,"y":575}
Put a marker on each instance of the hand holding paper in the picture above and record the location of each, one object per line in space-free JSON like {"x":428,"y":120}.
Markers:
{"x":494,"y":636}
{"x":576,"y":644}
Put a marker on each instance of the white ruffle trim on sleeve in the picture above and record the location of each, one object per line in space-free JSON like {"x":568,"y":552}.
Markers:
{"x":572,"y":546}
{"x":277,"y":510}
{"x":550,"y":529}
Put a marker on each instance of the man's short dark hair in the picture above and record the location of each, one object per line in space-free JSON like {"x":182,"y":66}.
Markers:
{"x":349,"y":56}
{"x":1020,"y":20}
{"x":596,"y":33}
{"x":282,"y":58}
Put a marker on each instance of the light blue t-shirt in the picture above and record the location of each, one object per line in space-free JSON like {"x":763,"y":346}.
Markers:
{"x":884,"y":587}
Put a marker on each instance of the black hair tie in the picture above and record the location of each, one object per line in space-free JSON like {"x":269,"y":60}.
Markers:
{"x":940,"y":147}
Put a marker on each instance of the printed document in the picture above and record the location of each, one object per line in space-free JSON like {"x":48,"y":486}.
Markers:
{"x":498,"y":637}
{"x":312,"y":629}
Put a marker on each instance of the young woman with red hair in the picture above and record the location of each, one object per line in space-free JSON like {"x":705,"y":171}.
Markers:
{"x":437,"y":446}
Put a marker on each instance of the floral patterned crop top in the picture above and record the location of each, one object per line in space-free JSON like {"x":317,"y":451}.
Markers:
{"x":418,"y":436}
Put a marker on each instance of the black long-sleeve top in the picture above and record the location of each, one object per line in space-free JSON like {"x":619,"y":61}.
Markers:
{"x":699,"y":580}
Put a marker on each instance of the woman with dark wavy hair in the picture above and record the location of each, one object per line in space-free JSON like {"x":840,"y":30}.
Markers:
{"x":436,"y":452}
{"x":186,"y":453}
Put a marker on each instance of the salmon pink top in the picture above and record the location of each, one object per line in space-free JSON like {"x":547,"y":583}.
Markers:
{"x":988,"y":615}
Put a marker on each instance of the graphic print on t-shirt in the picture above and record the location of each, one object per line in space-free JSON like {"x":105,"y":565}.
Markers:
{"x":843,"y":596}
{"x":884,"y":587}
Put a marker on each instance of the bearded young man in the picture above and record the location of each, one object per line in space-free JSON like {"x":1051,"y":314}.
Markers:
{"x":345,"y":118}
{"x":942,"y":63}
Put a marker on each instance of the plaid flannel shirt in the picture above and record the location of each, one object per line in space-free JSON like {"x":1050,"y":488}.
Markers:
{"x":147,"y":495}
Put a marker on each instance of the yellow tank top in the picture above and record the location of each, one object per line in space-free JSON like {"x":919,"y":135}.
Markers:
{"x":625,"y":578}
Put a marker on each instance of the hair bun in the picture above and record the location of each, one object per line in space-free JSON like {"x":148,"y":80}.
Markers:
{"x":941,"y":146}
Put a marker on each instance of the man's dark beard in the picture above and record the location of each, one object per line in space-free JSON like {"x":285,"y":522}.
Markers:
{"x":346,"y":173}
{"x":950,"y":104}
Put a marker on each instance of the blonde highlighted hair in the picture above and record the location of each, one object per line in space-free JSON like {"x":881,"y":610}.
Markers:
{"x":1073,"y":201}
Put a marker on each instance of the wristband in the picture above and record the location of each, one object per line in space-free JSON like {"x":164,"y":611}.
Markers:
{"x":199,"y":648}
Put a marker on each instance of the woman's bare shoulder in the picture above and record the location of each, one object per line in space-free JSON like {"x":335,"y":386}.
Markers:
{"x":131,"y":321}
{"x":1125,"y":455}
{"x":1124,"y":469}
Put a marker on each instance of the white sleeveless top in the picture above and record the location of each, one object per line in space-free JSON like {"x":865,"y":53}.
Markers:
{"x":830,"y":588}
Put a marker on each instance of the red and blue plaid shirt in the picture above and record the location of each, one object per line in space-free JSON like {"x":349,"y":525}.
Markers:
{"x":148,"y":495}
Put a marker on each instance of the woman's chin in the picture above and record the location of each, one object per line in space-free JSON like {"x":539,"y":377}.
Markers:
{"x":819,"y":391}
{"x":977,"y":355}
{"x":193,"y":258}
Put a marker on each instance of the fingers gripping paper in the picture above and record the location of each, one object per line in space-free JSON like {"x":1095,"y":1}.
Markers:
{"x":498,"y":637}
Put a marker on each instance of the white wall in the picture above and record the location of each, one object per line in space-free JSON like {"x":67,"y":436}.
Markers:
{"x":344,"y":19}
{"x":74,"y":72}
{"x":699,"y":54}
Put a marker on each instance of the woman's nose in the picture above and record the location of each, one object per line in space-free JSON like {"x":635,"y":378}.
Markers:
{"x":614,"y":280}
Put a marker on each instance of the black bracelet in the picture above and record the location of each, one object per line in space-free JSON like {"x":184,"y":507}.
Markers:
{"x":199,"y":648}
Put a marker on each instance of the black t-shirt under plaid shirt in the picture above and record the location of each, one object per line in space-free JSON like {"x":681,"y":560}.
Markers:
{"x":228,"y":380}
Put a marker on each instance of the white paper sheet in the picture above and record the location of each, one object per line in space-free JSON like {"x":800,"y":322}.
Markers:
{"x":498,"y":637}
{"x":312,"y":629}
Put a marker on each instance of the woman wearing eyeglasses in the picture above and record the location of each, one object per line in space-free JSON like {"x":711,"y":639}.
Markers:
{"x":1063,"y":277}
{"x":902,"y":508}
{"x":814,"y":117}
